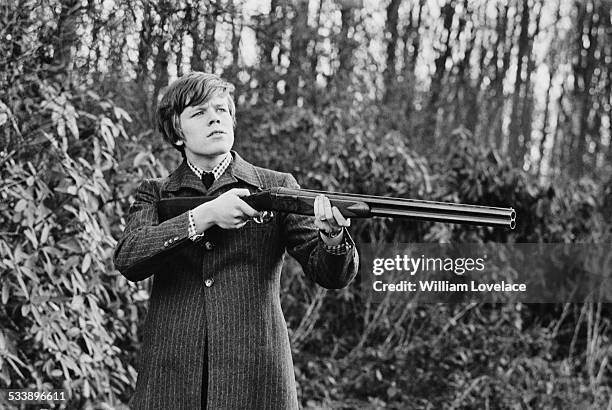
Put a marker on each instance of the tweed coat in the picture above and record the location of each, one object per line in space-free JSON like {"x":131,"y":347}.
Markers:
{"x":216,"y":302}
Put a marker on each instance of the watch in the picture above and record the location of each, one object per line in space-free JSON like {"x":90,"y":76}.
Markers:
{"x":331,"y":234}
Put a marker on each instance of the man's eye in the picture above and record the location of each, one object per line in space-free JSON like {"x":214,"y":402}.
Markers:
{"x":221,"y":109}
{"x":198,"y":113}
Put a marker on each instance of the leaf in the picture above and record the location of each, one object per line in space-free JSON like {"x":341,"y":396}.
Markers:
{"x":61,"y":127}
{"x":86,"y":263}
{"x":140,"y":158}
{"x":73,"y":332}
{"x":12,"y":359}
{"x":121,"y":113}
{"x":77,"y":302}
{"x":56,"y":373}
{"x":32,"y":237}
{"x":71,"y":245}
{"x":24,"y":288}
{"x":5,"y":293}
{"x":21,"y":205}
{"x":45,"y":233}
{"x":71,"y":116}
{"x":379,"y":375}
{"x":86,"y":389}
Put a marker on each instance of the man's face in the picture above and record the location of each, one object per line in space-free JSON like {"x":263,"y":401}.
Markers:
{"x":208,"y":128}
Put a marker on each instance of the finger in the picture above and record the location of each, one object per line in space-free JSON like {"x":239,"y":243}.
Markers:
{"x":340,"y":219}
{"x":241,"y":224}
{"x":329,"y":215}
{"x":320,"y":210}
{"x":240,"y":191}
{"x":247,"y":210}
{"x":317,"y":212}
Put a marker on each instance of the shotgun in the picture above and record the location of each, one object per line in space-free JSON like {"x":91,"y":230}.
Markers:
{"x":301,"y":201}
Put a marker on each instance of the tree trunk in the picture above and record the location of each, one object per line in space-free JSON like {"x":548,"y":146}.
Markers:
{"x":557,"y":152}
{"x":210,"y":31}
{"x":314,"y":58}
{"x":466,"y":107}
{"x":583,"y":69}
{"x":515,"y":118}
{"x":448,"y":14}
{"x":503,"y":45}
{"x":161,"y":59}
{"x":544,"y":129}
{"x":346,"y":46}
{"x":412,"y":44}
{"x":66,"y":40}
{"x":193,"y":21}
{"x":144,"y":54}
{"x":299,"y":44}
{"x":236,"y":36}
{"x":268,"y":33}
{"x":390,"y":74}
{"x":528,"y":100}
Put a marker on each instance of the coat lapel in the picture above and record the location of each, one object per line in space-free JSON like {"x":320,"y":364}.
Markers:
{"x":183,"y":177}
{"x":239,"y":169}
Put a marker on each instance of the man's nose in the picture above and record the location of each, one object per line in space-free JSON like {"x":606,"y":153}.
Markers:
{"x":214,"y":118}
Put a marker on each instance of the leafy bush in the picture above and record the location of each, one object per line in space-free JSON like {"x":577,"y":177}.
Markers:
{"x":68,"y":319}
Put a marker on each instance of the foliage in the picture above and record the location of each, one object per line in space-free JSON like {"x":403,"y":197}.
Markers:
{"x":473,"y":356}
{"x":338,"y":149}
{"x":68,"y":319}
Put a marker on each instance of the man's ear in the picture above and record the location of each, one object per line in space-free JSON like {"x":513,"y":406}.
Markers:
{"x":181,"y":138}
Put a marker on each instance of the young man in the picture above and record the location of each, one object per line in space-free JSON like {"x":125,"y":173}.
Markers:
{"x":215,"y":336}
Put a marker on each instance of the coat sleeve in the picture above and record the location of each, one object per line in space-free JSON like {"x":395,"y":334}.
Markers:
{"x":303,"y":242}
{"x":145,"y":243}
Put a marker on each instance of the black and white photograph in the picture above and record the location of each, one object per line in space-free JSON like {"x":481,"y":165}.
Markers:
{"x":305,"y":204}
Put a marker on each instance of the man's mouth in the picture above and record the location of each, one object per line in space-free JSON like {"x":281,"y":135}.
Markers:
{"x":215,"y":133}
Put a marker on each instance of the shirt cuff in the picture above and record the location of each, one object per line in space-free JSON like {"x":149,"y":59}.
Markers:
{"x":192,"y":232}
{"x":342,"y":248}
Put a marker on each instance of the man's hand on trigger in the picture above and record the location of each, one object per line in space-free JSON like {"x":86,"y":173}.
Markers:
{"x":227,"y":211}
{"x":329,"y":220}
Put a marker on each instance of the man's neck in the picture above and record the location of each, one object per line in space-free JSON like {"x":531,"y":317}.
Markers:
{"x":205,"y":163}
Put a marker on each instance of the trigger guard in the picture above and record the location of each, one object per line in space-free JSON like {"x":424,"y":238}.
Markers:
{"x":266,"y":216}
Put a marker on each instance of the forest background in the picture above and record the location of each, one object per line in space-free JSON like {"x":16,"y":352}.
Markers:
{"x":485,"y":102}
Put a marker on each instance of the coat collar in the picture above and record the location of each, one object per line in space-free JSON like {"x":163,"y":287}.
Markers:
{"x":239,"y":169}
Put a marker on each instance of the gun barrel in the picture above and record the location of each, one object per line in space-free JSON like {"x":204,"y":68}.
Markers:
{"x":411,"y":208}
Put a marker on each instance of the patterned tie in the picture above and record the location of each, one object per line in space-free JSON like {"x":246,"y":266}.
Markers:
{"x":208,"y":178}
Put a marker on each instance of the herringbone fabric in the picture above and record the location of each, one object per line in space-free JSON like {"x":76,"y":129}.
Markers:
{"x":239,"y":314}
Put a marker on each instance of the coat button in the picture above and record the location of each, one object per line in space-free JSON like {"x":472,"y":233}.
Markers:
{"x":166,"y":244}
{"x":209,"y":282}
{"x":208,"y":245}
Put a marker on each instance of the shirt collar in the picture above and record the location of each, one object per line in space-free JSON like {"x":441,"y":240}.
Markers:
{"x":239,"y":169}
{"x":217,"y":171}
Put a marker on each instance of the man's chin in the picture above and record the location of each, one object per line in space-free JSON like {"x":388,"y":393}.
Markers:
{"x":213,"y":152}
